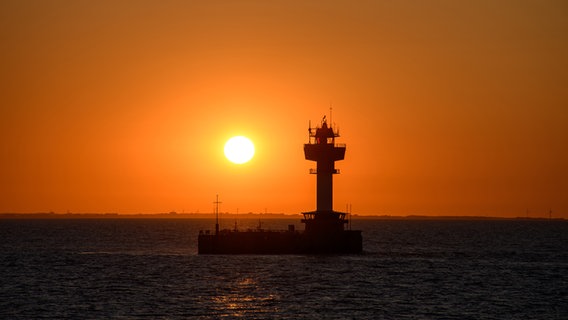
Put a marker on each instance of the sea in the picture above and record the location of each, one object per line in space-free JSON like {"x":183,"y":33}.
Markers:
{"x":410,"y":269}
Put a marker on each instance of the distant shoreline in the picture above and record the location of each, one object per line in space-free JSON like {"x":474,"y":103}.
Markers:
{"x":174,"y":215}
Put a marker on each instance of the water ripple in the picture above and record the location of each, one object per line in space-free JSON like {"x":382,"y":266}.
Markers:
{"x":411,"y":269}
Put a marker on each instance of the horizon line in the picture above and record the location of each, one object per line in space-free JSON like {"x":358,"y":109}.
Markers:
{"x":197,"y":215}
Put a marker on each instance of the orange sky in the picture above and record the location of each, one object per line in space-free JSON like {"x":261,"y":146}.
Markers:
{"x":446,"y":107}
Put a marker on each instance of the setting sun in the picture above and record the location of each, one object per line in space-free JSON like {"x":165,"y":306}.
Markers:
{"x":239,"y":149}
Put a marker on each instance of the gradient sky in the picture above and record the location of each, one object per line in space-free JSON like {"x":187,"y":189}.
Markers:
{"x":446,"y":107}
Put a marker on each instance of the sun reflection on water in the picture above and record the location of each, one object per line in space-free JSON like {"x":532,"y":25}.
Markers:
{"x":244,"y":297}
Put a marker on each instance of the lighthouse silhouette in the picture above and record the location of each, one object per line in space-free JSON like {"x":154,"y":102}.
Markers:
{"x":322,"y":149}
{"x":324,"y":228}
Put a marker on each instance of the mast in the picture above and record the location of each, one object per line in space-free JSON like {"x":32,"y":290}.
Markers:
{"x":216,"y":214}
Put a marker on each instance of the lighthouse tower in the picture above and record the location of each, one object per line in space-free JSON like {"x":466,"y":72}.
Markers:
{"x":322,"y":149}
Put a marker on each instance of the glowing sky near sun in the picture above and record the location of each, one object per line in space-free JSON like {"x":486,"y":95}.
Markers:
{"x":446,"y":107}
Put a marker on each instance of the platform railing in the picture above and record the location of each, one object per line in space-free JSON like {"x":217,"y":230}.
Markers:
{"x":315,"y":171}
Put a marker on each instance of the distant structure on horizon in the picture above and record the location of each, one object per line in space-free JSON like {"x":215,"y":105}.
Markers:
{"x":324,"y":228}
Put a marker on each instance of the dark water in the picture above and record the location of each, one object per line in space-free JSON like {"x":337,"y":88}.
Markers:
{"x":411,"y":270}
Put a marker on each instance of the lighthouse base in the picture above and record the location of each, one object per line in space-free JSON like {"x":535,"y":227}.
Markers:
{"x":324,"y":234}
{"x":280,"y":242}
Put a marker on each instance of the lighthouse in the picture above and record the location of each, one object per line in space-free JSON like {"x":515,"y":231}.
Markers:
{"x":324,"y":231}
{"x":322,"y":149}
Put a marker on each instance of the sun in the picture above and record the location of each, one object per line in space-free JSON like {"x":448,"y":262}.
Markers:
{"x":239,"y":149}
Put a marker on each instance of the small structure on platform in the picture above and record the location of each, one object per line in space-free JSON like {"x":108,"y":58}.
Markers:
{"x":324,"y":232}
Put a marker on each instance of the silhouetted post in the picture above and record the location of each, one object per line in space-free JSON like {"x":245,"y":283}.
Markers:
{"x":216,"y":214}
